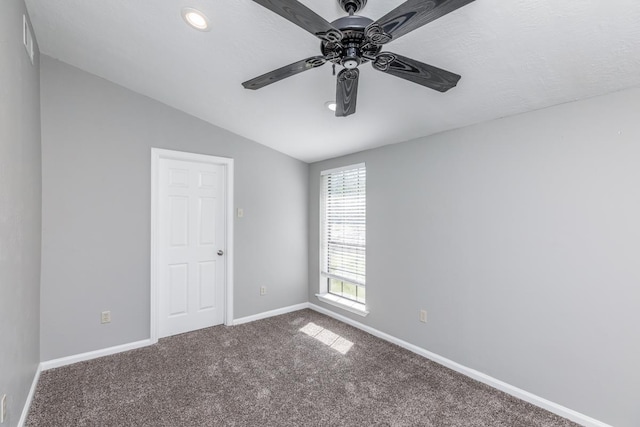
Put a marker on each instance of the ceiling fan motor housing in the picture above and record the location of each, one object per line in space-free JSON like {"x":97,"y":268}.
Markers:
{"x":352,"y":6}
{"x":354,"y":49}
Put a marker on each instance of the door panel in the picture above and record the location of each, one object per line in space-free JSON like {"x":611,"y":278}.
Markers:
{"x":206,"y":228}
{"x":206,"y":274}
{"x":178,"y":289}
{"x":191,"y":221}
{"x":179,"y":220}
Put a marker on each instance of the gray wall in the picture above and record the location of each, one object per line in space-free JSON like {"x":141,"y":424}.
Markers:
{"x":20,"y":210}
{"x":96,"y":148}
{"x":521,"y":237}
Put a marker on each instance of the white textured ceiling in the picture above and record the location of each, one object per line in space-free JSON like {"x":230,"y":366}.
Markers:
{"x":514,"y":56}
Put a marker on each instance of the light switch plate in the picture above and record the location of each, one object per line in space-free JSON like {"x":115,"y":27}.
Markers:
{"x":105,"y":317}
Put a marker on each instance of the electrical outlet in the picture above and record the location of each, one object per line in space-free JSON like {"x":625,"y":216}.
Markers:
{"x":423,"y":316}
{"x":105,"y":317}
{"x":263,"y":290}
{"x":3,"y":408}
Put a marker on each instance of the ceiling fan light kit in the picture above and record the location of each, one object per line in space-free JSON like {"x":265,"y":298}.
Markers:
{"x":331,"y":105}
{"x":353,"y":40}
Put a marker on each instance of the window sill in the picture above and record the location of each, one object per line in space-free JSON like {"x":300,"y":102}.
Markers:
{"x":343,"y":303}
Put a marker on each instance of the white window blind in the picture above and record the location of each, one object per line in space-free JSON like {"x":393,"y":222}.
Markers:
{"x":344,"y":224}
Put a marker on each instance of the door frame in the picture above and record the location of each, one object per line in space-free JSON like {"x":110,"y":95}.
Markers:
{"x":227,"y":163}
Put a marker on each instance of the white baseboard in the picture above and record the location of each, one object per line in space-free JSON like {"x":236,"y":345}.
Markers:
{"x":32,"y":391}
{"x":271,"y":313}
{"x":64,"y":361}
{"x":476,"y":375}
{"x":472,"y":373}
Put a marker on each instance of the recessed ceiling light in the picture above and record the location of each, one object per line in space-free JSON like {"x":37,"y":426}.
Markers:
{"x":196,"y":19}
{"x":331,"y":105}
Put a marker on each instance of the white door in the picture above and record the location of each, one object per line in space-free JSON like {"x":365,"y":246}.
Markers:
{"x":191,"y":246}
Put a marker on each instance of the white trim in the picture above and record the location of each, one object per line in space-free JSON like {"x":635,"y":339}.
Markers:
{"x":229,"y":234}
{"x":69,"y":360}
{"x":32,"y":392}
{"x":153,"y":297}
{"x":343,"y":303}
{"x":156,"y":155}
{"x":342,"y":168}
{"x":472,"y":373}
{"x":271,"y":313}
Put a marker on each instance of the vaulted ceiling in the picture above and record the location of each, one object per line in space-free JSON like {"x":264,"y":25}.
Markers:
{"x":514,"y":56}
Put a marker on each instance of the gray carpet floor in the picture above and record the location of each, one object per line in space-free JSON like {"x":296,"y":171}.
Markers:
{"x":298,"y":369}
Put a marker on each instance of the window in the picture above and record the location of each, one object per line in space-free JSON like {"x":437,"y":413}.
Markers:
{"x":343,"y":236}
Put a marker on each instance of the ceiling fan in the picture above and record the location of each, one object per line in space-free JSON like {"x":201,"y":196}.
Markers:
{"x":353,"y":40}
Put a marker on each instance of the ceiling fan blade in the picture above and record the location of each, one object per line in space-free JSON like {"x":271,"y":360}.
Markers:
{"x":408,"y":16}
{"x":303,"y":17}
{"x":284,"y":72}
{"x":415,"y":71}
{"x":347,"y":92}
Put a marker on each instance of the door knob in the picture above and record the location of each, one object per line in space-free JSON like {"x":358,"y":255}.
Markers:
{"x":220,"y":252}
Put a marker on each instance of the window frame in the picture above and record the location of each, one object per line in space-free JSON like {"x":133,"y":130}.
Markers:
{"x":325,"y":278}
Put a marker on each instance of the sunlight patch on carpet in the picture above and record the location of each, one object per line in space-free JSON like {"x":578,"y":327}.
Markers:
{"x":325,"y":336}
